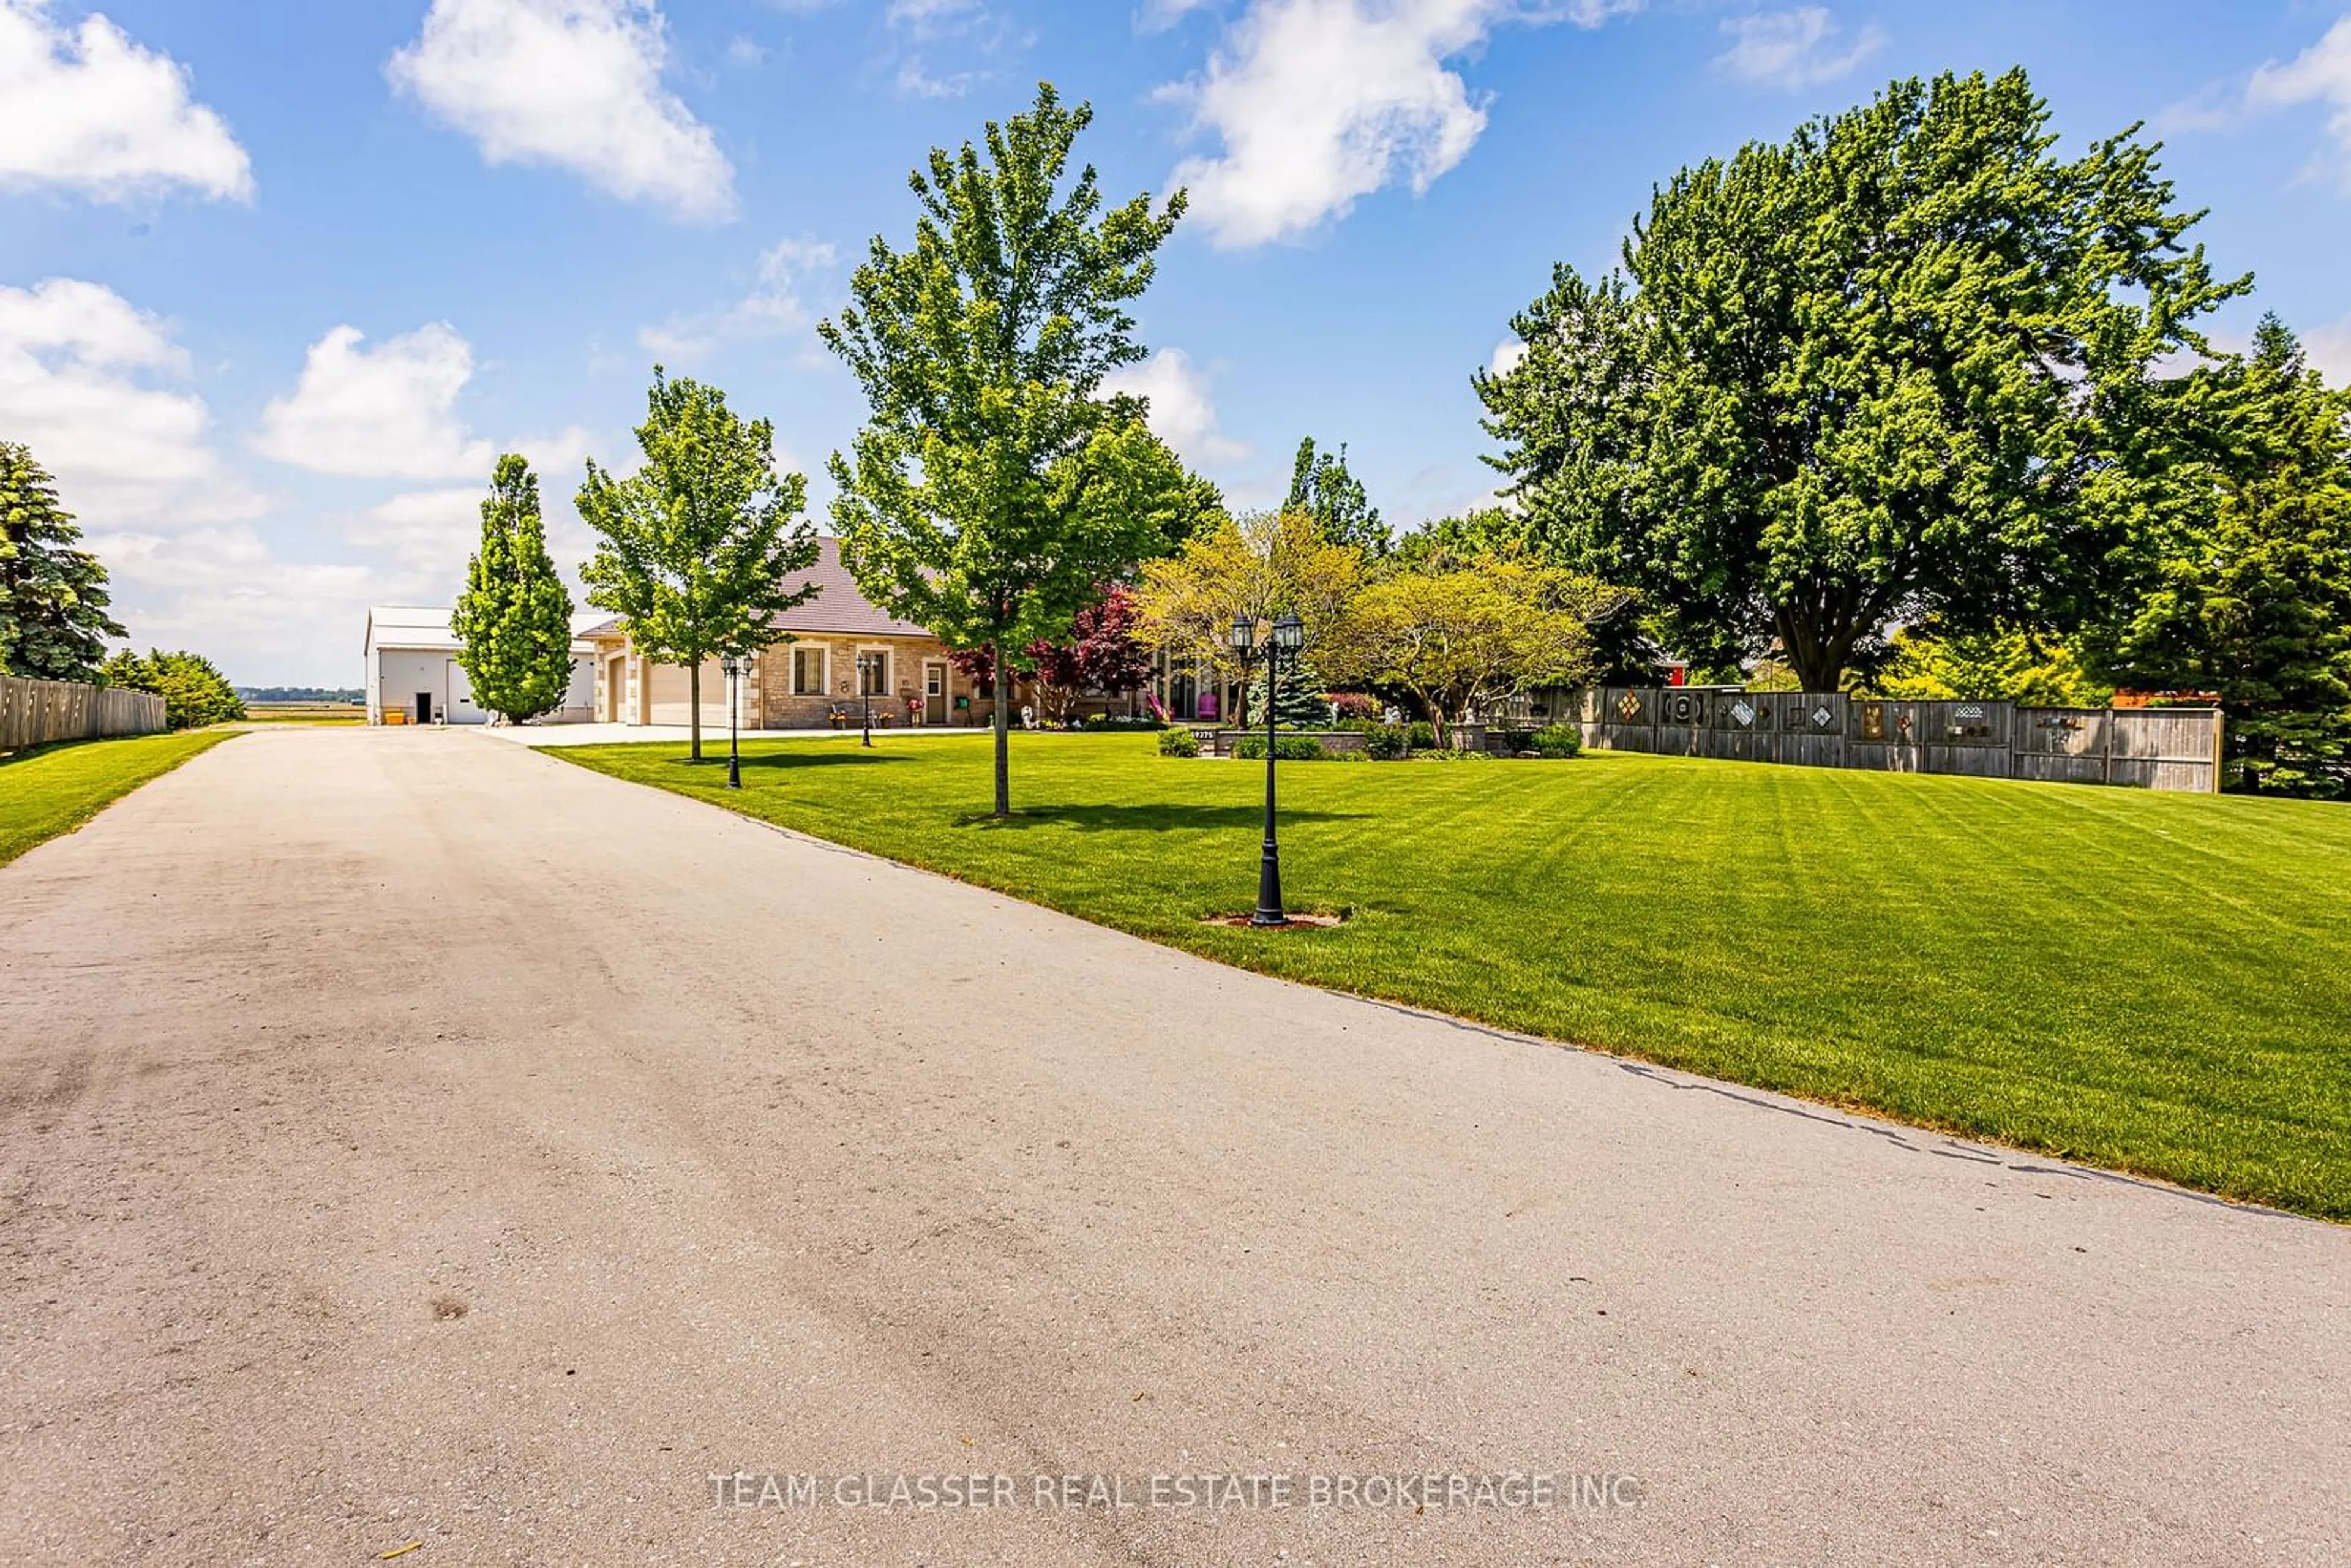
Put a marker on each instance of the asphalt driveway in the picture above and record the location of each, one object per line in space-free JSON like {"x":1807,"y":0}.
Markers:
{"x":408,"y":1137}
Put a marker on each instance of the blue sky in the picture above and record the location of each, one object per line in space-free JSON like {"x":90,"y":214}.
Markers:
{"x":277,"y":279}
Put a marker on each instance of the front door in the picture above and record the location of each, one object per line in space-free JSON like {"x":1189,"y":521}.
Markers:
{"x":935,"y":693}
{"x":424,"y":707}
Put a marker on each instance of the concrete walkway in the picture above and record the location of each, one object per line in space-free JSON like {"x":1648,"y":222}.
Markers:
{"x":406,"y":1137}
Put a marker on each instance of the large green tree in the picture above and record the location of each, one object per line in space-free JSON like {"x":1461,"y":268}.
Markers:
{"x":1901,"y":364}
{"x":694,"y":547}
{"x":195,"y":692}
{"x":2248,"y":594}
{"x":992,"y":490}
{"x":514,"y":621}
{"x":1321,"y":486}
{"x":1463,"y":636}
{"x":53,"y":599}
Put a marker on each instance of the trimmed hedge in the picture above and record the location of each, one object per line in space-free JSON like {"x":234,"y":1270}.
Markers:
{"x":1178,"y":743}
{"x":1288,"y":748}
{"x":1558,"y":740}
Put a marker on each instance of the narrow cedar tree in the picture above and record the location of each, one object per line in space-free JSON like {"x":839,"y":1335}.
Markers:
{"x":514,"y":621}
{"x":993,"y":487}
{"x":52,"y":619}
{"x":1906,"y":363}
{"x":695,"y":548}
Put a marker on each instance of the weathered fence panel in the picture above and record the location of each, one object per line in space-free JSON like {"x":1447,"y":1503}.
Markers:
{"x":2148,"y":748}
{"x":36,"y":713}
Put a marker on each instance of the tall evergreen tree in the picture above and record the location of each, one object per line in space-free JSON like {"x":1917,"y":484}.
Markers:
{"x":991,"y":491}
{"x":53,"y":599}
{"x":2250,"y":594}
{"x":1321,"y":486}
{"x":695,"y":545}
{"x":514,"y":621}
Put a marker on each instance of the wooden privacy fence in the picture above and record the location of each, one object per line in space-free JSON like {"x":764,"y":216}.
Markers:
{"x":2151,"y":749}
{"x":34,"y":713}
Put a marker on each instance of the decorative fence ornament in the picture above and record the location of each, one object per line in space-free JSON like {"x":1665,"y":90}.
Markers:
{"x":2157,"y":748}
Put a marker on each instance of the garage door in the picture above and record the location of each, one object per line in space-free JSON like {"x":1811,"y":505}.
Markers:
{"x":672,"y":702}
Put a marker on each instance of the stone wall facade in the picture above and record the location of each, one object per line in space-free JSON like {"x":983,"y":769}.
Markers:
{"x":783,"y":704}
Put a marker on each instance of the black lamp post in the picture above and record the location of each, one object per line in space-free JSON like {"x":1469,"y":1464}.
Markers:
{"x":735,"y":667}
{"x":865,"y":695}
{"x":1289,"y":637}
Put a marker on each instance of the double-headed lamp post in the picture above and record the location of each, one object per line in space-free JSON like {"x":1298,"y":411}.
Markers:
{"x":1289,"y":636}
{"x":735,"y":667}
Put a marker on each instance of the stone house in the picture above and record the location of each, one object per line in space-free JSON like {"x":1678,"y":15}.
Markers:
{"x":839,"y":651}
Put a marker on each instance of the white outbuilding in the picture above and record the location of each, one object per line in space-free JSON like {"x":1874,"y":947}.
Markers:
{"x":413,"y":676}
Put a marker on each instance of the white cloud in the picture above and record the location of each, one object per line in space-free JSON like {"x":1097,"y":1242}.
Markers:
{"x":927,"y":13}
{"x":381,"y":413}
{"x":572,"y":83}
{"x":92,"y":110}
{"x":1507,"y":355}
{"x":2328,"y":350}
{"x":1794,"y":49}
{"x":919,"y":26}
{"x":775,"y":306}
{"x":225,"y":593}
{"x":2320,"y":74}
{"x":1321,"y":102}
{"x":88,"y":382}
{"x":431,"y":531}
{"x":1158,"y":16}
{"x":1183,"y":414}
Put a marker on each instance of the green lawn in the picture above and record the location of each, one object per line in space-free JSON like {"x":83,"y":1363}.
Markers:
{"x":53,"y":789}
{"x":2154,"y":983}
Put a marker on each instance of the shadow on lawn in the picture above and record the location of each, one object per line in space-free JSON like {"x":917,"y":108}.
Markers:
{"x":1148,"y":818}
{"x":779,"y":761}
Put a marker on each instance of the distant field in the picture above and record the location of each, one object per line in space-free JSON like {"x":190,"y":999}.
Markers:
{"x":56,"y":788}
{"x":2155,"y":983}
{"x":305,"y":713}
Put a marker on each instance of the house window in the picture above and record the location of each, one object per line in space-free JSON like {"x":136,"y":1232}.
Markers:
{"x":808,"y":672}
{"x":873,"y":671}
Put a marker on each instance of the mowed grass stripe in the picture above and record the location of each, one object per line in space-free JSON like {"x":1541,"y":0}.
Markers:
{"x":56,"y":788}
{"x":2156,"y":983}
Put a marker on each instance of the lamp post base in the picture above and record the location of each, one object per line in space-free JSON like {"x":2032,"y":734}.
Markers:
{"x":1269,"y":890}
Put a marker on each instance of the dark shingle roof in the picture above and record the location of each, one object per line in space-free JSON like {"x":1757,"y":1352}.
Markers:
{"x":838,"y":607}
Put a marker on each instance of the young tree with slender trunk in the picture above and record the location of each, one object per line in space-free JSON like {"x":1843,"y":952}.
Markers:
{"x":694,"y":547}
{"x":52,"y":619}
{"x":514,"y":621}
{"x":992,"y":489}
